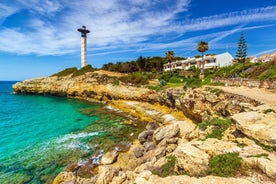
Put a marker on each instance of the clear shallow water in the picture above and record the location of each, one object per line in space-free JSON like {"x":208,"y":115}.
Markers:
{"x":40,"y":135}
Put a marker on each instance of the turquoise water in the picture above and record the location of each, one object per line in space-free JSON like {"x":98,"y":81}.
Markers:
{"x":40,"y":135}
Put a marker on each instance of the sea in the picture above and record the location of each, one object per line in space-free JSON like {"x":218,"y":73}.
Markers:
{"x":41,"y":135}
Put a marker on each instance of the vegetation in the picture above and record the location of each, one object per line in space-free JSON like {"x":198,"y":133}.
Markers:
{"x":168,"y":168}
{"x":142,"y":64}
{"x":224,"y":165}
{"x":202,"y":47}
{"x":268,"y":111}
{"x":135,"y":78}
{"x":220,"y":125}
{"x":170,"y":56}
{"x":66,"y":72}
{"x":242,"y":47}
{"x":75,"y":71}
{"x":83,"y":70}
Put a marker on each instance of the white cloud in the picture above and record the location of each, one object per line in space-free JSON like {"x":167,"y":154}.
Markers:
{"x":6,"y":11}
{"x":114,"y":25}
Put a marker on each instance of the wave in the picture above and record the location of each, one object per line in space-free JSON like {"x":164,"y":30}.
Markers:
{"x":76,"y":136}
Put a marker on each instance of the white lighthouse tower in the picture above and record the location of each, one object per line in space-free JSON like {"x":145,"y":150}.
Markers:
{"x":84,"y":32}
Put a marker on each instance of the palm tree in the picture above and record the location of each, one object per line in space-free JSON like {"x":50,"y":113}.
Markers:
{"x":169,"y":57}
{"x":202,"y":47}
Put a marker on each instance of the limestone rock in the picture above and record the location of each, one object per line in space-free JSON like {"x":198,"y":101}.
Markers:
{"x":168,"y":131}
{"x":143,"y":177}
{"x":109,"y":157}
{"x":259,"y":126}
{"x":138,"y":151}
{"x":120,"y":178}
{"x":106,"y":174}
{"x":191,"y":159}
{"x":215,"y":147}
{"x":192,"y":180}
{"x":145,"y":136}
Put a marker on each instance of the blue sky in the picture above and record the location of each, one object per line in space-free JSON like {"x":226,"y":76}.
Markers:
{"x":39,"y":37}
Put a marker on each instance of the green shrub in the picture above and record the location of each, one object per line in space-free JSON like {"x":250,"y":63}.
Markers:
{"x":168,"y":168}
{"x":175,"y":79}
{"x":193,"y":82}
{"x":135,"y":78}
{"x":165,"y":76}
{"x":268,"y":111}
{"x":162,"y":83}
{"x":220,"y":125}
{"x":66,"y":72}
{"x":224,"y":165}
{"x":83,"y":70}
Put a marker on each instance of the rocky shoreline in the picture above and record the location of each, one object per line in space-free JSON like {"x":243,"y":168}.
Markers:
{"x":170,"y":137}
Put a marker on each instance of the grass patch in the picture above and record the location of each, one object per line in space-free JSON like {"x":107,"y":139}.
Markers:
{"x":224,"y":165}
{"x":259,"y":155}
{"x":264,"y":146}
{"x":168,"y":168}
{"x":268,"y":111}
{"x":216,"y":91}
{"x":241,"y":145}
{"x":220,"y":125}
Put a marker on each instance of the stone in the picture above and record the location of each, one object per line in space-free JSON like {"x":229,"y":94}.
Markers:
{"x":267,"y":164}
{"x":145,"y":136}
{"x":154,"y":179}
{"x":168,"y":131}
{"x":149,"y":146}
{"x":128,"y":161}
{"x":152,"y":126}
{"x":109,"y":157}
{"x":138,"y":151}
{"x":155,"y":153}
{"x":191,"y":159}
{"x":143,"y":177}
{"x":120,"y":178}
{"x":215,"y":147}
{"x":257,"y":125}
{"x":106,"y":174}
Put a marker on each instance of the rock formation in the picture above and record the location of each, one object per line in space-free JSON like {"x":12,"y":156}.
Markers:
{"x":172,"y":149}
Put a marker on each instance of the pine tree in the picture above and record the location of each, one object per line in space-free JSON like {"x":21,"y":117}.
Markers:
{"x":242,"y":47}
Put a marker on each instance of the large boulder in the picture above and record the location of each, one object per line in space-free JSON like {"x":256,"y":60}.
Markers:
{"x":257,"y":125}
{"x":109,"y":157}
{"x":167,"y":132}
{"x":106,"y":174}
{"x":191,"y":159}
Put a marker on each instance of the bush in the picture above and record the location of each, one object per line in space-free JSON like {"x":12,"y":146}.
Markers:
{"x":193,"y":82}
{"x":224,"y":165}
{"x":66,"y":72}
{"x":135,"y":78}
{"x":83,"y":70}
{"x":168,"y":168}
{"x":165,"y":76}
{"x":175,"y":80}
{"x":220,"y":125}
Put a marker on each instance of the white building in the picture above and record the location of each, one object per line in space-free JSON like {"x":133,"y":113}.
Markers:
{"x":211,"y":61}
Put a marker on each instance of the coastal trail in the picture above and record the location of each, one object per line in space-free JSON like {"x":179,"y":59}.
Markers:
{"x":266,"y":96}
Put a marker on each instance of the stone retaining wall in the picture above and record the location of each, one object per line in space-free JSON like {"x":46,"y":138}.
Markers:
{"x":268,"y":84}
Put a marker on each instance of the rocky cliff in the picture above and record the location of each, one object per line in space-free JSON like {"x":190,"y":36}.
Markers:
{"x":172,"y":144}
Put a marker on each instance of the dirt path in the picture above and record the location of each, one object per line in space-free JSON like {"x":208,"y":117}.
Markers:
{"x":266,"y":96}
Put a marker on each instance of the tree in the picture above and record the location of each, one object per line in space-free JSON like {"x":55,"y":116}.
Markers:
{"x":170,"y":56}
{"x":202,"y":47}
{"x":242,"y":47}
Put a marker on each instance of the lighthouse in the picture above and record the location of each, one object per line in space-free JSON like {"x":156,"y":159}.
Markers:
{"x":84,"y":32}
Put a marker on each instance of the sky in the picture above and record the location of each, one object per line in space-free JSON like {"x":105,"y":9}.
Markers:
{"x":39,"y":37}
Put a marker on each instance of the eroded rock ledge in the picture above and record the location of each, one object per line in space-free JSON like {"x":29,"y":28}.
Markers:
{"x":169,"y":132}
